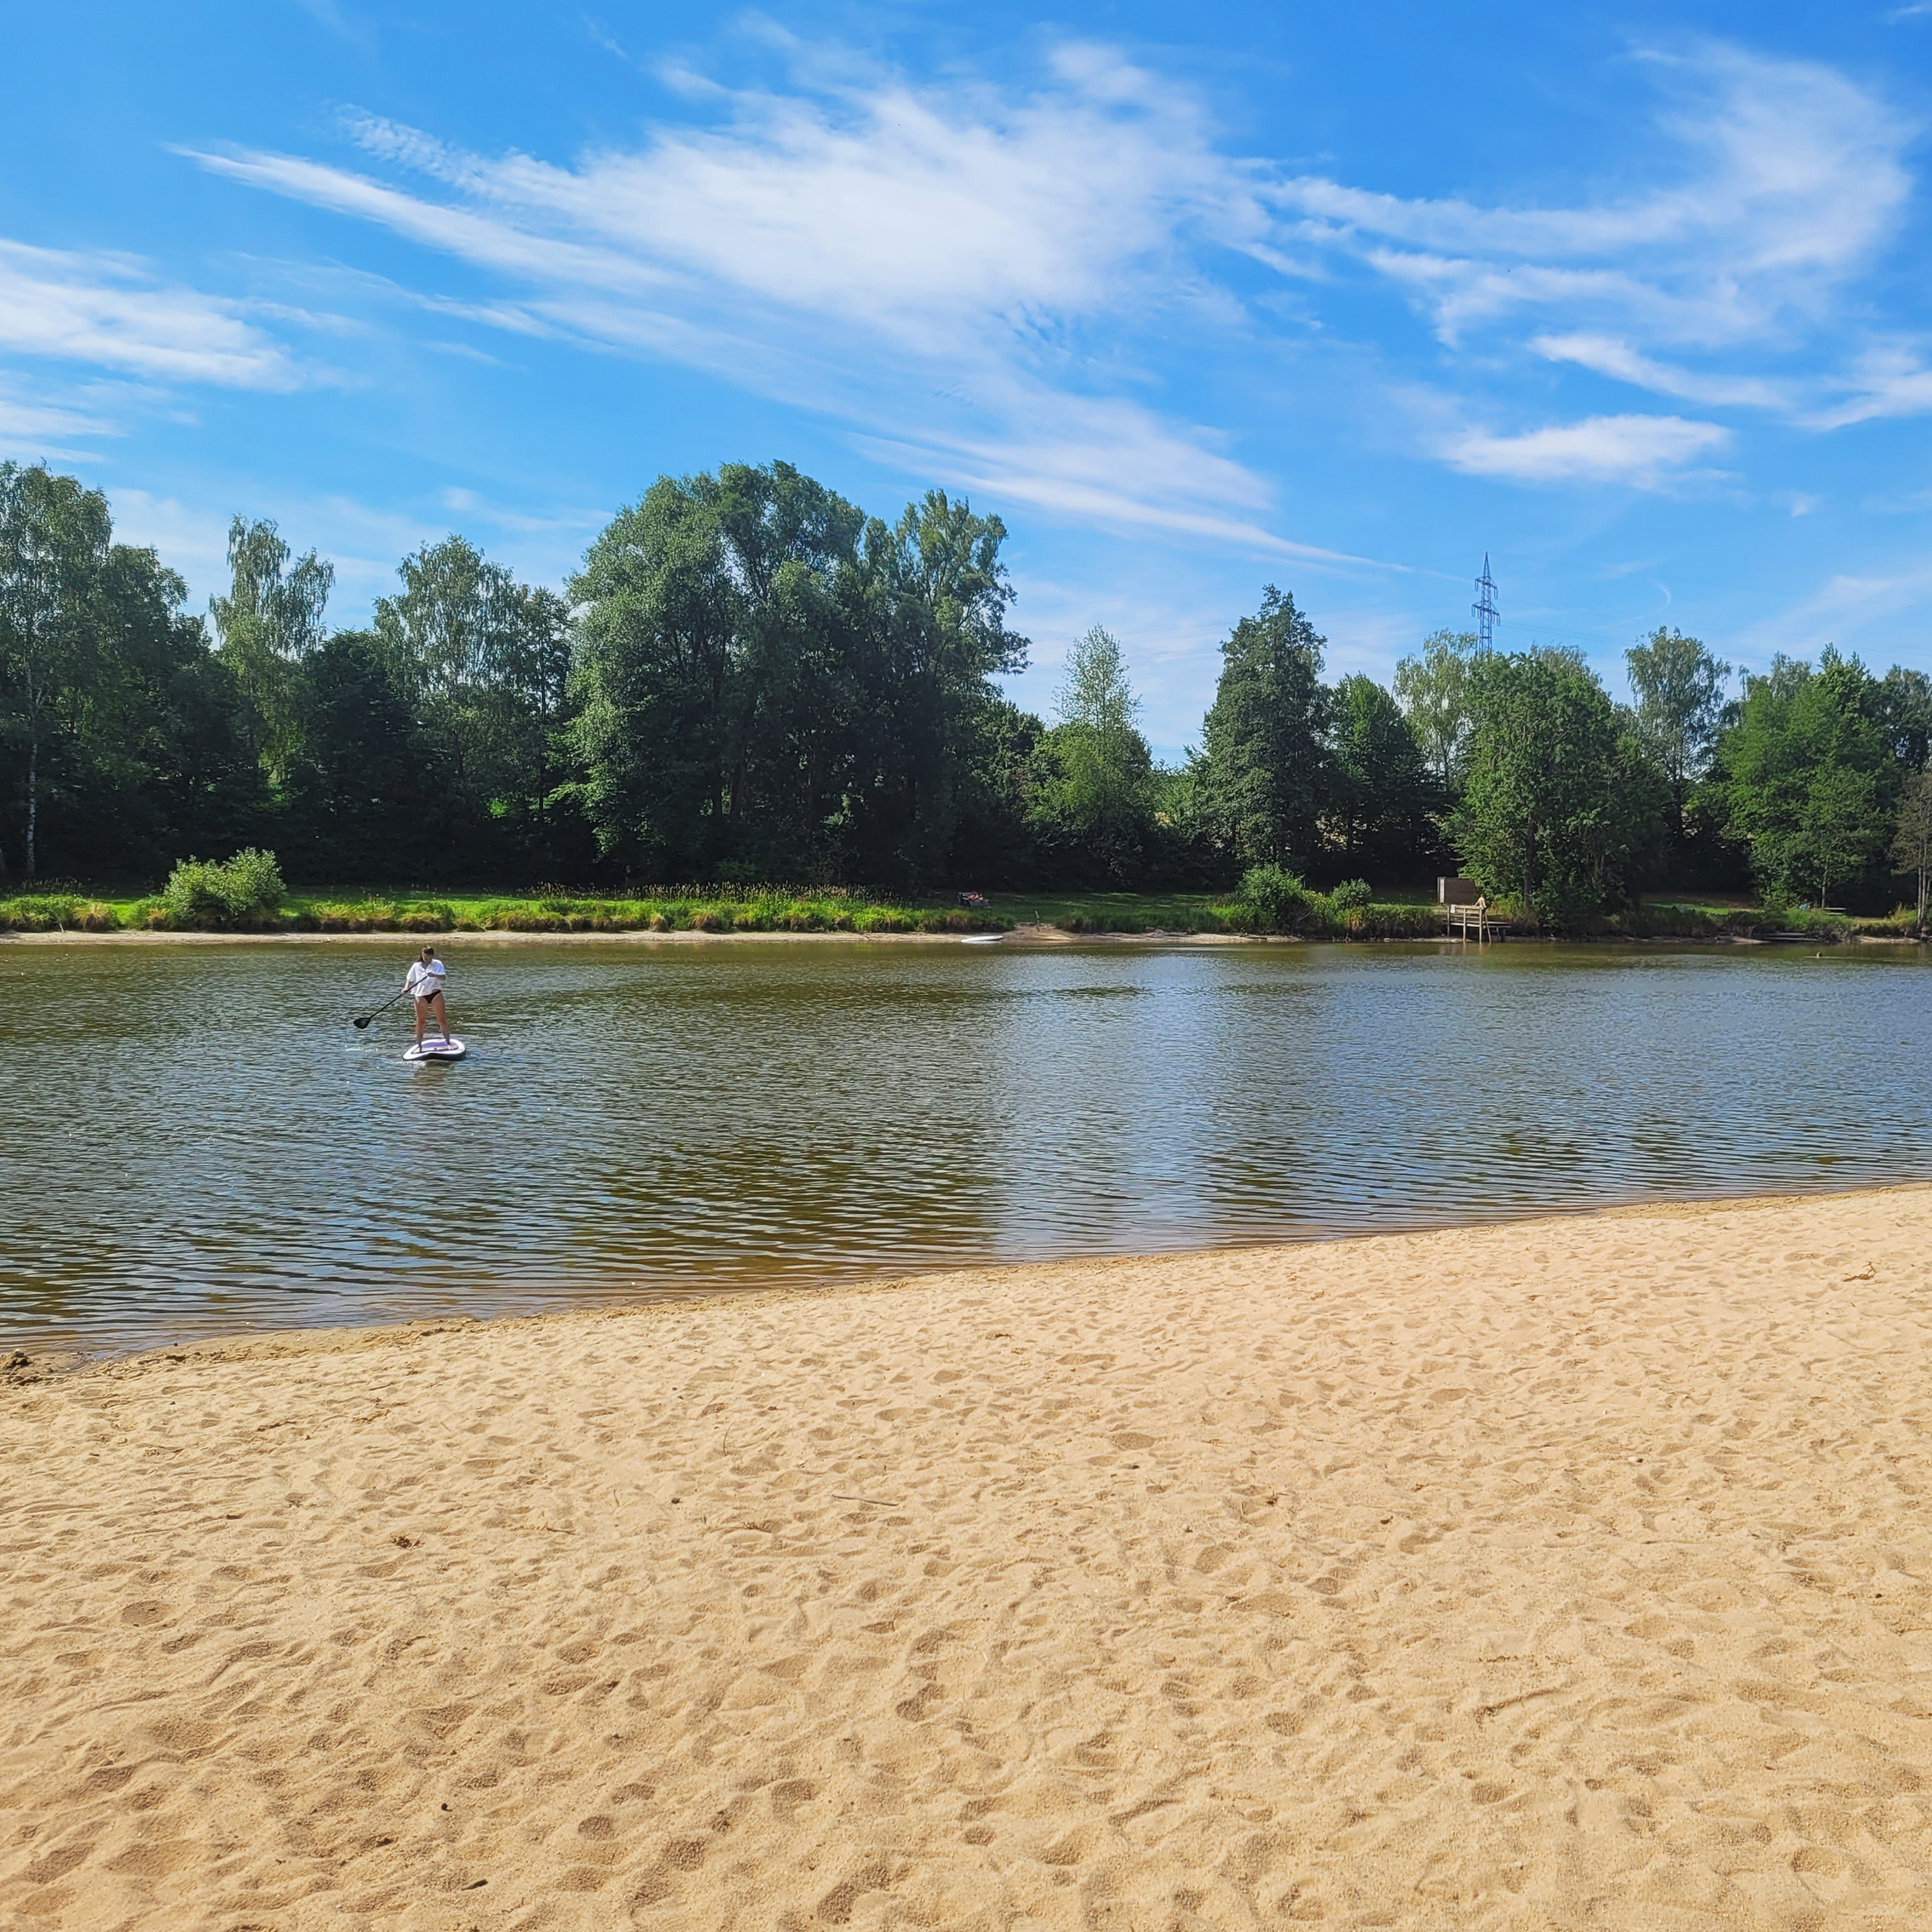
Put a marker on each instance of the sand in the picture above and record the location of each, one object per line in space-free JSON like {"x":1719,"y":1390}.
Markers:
{"x":1570,"y":1573}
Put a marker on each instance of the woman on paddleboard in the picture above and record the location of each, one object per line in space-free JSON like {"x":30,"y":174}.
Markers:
{"x":425,"y":985}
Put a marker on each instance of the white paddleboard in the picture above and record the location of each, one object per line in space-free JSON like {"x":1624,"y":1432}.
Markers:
{"x":437,"y":1049}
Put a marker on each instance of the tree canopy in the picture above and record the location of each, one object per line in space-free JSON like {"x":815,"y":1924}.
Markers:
{"x":752,"y":678}
{"x":1558,"y":803}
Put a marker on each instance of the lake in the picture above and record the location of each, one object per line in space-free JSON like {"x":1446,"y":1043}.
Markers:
{"x":197,"y":1142}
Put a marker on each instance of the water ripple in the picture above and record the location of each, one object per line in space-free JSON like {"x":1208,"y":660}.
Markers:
{"x":198,"y":1142}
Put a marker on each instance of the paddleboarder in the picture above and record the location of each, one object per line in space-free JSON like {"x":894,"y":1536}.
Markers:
{"x":424,"y":984}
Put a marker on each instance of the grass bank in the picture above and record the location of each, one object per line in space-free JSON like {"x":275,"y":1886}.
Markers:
{"x":711,"y":908}
{"x":676,"y":908}
{"x":1399,"y":914}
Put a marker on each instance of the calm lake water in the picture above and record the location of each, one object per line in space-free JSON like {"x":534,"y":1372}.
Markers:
{"x":196,"y":1141}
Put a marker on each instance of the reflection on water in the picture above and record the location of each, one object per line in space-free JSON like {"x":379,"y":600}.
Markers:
{"x":197,"y":1141}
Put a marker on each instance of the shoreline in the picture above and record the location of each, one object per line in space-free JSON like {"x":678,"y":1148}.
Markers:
{"x":1019,"y":935}
{"x":1027,"y":936}
{"x":1561,"y":1572}
{"x":48,"y":1364}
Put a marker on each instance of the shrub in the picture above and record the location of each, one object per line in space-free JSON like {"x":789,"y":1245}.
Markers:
{"x":1352,"y":896}
{"x":203,"y":895}
{"x":1274,"y":899}
{"x":38,"y":912}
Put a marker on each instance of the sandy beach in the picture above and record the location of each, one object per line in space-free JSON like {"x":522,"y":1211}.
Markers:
{"x":1570,"y":1573}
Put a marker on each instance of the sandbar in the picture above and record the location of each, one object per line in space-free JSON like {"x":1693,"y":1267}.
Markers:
{"x":1568,"y":1573}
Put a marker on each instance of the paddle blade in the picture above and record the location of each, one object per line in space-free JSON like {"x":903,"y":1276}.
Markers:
{"x":360,"y":1024}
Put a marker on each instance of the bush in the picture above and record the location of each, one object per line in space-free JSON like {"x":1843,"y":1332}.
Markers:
{"x":1274,"y":899}
{"x":1352,"y":896}
{"x":201,"y":895}
{"x":38,"y":912}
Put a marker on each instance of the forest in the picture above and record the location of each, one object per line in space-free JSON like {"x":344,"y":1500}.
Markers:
{"x":750,"y":679}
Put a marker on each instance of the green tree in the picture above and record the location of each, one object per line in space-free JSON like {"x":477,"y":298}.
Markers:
{"x":1099,"y":800}
{"x":268,"y":623}
{"x":939,"y":596}
{"x":1808,"y":780}
{"x":1378,"y":786}
{"x":484,"y":662}
{"x":798,"y":731}
{"x":361,"y":789}
{"x":1262,"y":776}
{"x":995,"y":835}
{"x":767,"y":678}
{"x":1902,"y":709}
{"x":1434,"y":692}
{"x":1911,"y":836}
{"x":1680,"y":700}
{"x":659,"y":614}
{"x":54,"y":545}
{"x":1558,"y":798}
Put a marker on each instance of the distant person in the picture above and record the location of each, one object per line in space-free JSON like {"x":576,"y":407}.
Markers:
{"x":425,"y":985}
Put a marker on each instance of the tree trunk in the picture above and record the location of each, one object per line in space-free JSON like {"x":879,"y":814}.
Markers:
{"x":32,"y":803}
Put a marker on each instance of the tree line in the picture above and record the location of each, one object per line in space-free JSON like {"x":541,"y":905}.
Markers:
{"x":750,"y":678}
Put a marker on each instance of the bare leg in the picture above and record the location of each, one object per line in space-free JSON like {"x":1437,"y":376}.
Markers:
{"x":421,"y":1013}
{"x":442,"y":1016}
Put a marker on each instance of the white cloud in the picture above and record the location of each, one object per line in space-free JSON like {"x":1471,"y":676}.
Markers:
{"x":111,"y":311}
{"x":1640,"y":449}
{"x":1844,"y":609}
{"x":1788,"y":178}
{"x":1607,"y":355}
{"x":1110,"y":463}
{"x":924,"y":217}
{"x":1885,"y":382}
{"x":934,"y":265}
{"x":35,"y":428}
{"x":968,"y":271}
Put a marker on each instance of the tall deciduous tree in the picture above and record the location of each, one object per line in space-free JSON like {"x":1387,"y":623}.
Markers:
{"x":1377,"y":783}
{"x":1809,"y":781}
{"x":270,"y":620}
{"x":770,"y":681}
{"x":361,"y":790}
{"x":1434,"y":691}
{"x":1902,"y":709}
{"x":484,"y":662}
{"x":1558,"y":800}
{"x":1263,"y":773}
{"x":1098,"y":798}
{"x":53,"y":541}
{"x":660,"y":610}
{"x":1679,"y":687}
{"x":1911,"y":836}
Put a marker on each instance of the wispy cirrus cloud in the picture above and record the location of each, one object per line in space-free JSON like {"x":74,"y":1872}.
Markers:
{"x":1603,"y":449}
{"x":1609,"y":355}
{"x":110,"y":311}
{"x":1890,"y":379}
{"x":38,"y":430}
{"x":935,"y":265}
{"x":973,"y":272}
{"x":1773,"y":185}
{"x":1787,"y":177}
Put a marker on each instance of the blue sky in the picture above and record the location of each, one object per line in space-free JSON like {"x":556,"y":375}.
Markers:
{"x":1341,"y":298}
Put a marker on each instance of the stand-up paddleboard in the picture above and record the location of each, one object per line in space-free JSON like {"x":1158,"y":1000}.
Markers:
{"x":436,"y":1050}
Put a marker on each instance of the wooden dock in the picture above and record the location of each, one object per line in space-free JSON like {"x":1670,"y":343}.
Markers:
{"x":1475,"y":922}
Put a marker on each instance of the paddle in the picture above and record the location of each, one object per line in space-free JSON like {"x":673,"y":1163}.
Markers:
{"x":383,"y":1008}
